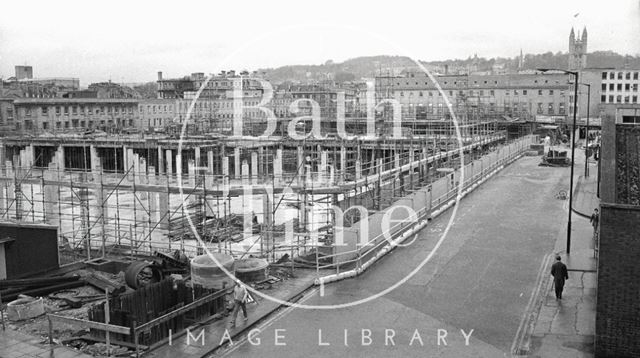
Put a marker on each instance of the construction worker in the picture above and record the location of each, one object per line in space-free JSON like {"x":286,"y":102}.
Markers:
{"x":240,"y":296}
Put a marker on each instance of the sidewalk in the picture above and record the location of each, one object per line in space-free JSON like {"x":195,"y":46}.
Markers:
{"x":14,"y":344}
{"x":566,"y":328}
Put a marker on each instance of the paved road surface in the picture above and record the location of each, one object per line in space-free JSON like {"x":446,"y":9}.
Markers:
{"x":481,"y":279}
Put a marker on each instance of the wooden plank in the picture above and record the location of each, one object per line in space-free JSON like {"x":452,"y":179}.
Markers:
{"x":81,"y":323}
{"x":182,"y":310}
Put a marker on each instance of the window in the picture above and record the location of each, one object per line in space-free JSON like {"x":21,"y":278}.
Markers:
{"x":66,"y":110}
{"x":635,"y":87}
{"x":604,"y":75}
{"x":481,"y":93}
{"x":604,"y":87}
{"x":618,"y":99}
{"x":515,"y":92}
{"x":627,"y":87}
{"x":27,"y":112}
{"x":401,"y":95}
{"x":635,"y":75}
{"x":610,"y":99}
{"x":57,"y":110}
{"x":524,"y":92}
{"x":611,"y":87}
{"x":539,"y":92}
{"x":74,"y":109}
{"x":58,"y":125}
{"x":603,"y":99}
{"x":619,"y":75}
{"x":540,"y":108}
{"x":631,"y":119}
{"x":561,"y":108}
{"x":492,"y":92}
{"x":506,"y":93}
{"x":45,"y":111}
{"x":619,"y":86}
{"x":626,"y":99}
{"x":551,"y":108}
{"x":634,"y":99}
{"x":612,"y":75}
{"x":551,"y":92}
{"x":628,"y":76}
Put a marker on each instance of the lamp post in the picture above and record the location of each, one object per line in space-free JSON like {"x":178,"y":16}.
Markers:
{"x":586,"y":135}
{"x":573,"y":146}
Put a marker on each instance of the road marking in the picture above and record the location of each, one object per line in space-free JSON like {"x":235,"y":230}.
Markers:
{"x":519,"y":337}
{"x":269,"y":322}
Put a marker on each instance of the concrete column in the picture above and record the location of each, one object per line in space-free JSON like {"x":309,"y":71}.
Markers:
{"x":17,"y":187}
{"x":59,"y":158}
{"x":169,"y":162}
{"x":236,"y":163}
{"x":210,"y":161}
{"x":152,"y":196}
{"x":396,"y":156}
{"x":358,"y":169}
{"x":11,"y":194}
{"x":245,"y":173}
{"x":277,"y":166}
{"x":254,"y":168}
{"x":261,"y":166}
{"x":3,"y":154}
{"x":51,"y":196}
{"x":343,"y":162}
{"x":191,"y":181}
{"x":198,"y":161}
{"x":323,"y":165}
{"x":96,"y":164}
{"x":225,"y":172}
{"x":300,"y":163}
{"x":161,"y":165}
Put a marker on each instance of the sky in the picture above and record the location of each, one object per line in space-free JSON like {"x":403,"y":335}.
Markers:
{"x":130,"y":41}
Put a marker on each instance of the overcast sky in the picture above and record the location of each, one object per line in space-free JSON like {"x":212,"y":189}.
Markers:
{"x":129,"y":41}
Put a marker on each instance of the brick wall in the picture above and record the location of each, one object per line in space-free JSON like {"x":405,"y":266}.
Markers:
{"x":618,"y":298}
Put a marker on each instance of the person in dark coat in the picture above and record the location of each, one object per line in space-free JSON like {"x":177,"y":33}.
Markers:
{"x":560,"y":274}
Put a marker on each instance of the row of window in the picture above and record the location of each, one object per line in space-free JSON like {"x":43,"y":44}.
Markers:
{"x":480,"y":93}
{"x":627,"y":87}
{"x":464,"y":83}
{"x":29,"y":111}
{"x":618,"y":99}
{"x":81,"y":124}
{"x":620,"y":75}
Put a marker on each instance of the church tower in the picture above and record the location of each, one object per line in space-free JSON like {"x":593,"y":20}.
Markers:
{"x":577,"y":50}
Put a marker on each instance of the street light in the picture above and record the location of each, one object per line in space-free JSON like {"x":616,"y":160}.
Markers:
{"x":586,"y":135}
{"x":573,"y":146}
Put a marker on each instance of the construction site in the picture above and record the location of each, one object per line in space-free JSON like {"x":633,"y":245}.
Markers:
{"x":267,"y":208}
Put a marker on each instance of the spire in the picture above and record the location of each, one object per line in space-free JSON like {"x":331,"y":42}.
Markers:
{"x":584,"y":34}
{"x":572,"y":35}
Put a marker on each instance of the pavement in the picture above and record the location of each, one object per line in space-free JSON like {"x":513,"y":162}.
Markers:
{"x":14,"y":344}
{"x":566,"y":328}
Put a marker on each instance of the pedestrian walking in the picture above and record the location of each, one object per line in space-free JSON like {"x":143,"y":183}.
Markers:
{"x":595,"y":219}
{"x":560,"y":274}
{"x":240,"y":296}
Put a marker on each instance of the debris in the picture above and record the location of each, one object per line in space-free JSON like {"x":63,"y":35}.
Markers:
{"x":104,"y":283}
{"x":37,"y":282}
{"x":25,"y":308}
{"x":41,"y":291}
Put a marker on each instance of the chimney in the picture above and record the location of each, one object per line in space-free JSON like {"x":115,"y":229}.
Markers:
{"x":159,"y":75}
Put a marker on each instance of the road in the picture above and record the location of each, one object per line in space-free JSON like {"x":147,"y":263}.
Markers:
{"x":479,"y":281}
